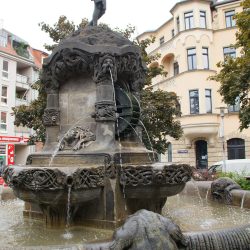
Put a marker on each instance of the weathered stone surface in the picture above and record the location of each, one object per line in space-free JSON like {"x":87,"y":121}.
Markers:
{"x":146,"y":230}
{"x":221,"y":189}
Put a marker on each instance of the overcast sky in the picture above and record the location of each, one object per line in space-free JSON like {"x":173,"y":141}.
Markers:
{"x":21,"y":17}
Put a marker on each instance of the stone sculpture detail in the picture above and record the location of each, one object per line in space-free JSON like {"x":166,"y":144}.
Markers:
{"x":36,"y":179}
{"x":147,"y":175}
{"x":222,"y":187}
{"x":102,"y":69}
{"x":77,"y":138}
{"x":100,"y":8}
{"x":88,"y":178}
{"x":51,"y":117}
{"x":105,"y":111}
{"x":146,"y":230}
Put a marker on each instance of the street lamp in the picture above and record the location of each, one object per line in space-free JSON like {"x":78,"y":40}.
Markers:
{"x":222,"y":135}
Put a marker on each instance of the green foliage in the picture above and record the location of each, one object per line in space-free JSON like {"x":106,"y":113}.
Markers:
{"x":235,"y":73}
{"x":238,"y":178}
{"x":21,"y":49}
{"x":61,"y":29}
{"x":159,"y":108}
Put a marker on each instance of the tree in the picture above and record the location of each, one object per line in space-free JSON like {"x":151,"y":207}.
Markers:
{"x":234,"y":75}
{"x":159,"y":108}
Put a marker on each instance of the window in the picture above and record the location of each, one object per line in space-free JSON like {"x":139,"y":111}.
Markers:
{"x":229,"y":52}
{"x":3,"y":38}
{"x":178,"y":24}
{"x":169,"y":152}
{"x":172,"y":32}
{"x":3,"y":124}
{"x":162,"y":40}
{"x":191,"y":57}
{"x":235,"y":107}
{"x":230,"y":22}
{"x":176,"y":68}
{"x":203,"y":21}
{"x":208,"y":97}
{"x":5,"y":72}
{"x":4,"y":95}
{"x":205,"y":58}
{"x":189,"y":20}
{"x":236,"y":148}
{"x":194,"y":101}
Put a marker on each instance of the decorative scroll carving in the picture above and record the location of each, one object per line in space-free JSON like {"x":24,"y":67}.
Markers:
{"x":53,"y":179}
{"x":135,"y":176}
{"x":35,"y":179}
{"x":88,"y":178}
{"x":175,"y":174}
{"x":102,"y":68}
{"x":105,"y":111}
{"x":67,"y":62}
{"x":77,"y":138}
{"x":148,"y":175}
{"x":51,"y":117}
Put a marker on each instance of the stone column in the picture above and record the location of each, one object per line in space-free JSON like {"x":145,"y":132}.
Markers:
{"x":105,"y":108}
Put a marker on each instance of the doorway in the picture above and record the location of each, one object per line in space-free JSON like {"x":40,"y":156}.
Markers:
{"x":201,"y":154}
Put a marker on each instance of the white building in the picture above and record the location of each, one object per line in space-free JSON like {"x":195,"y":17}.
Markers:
{"x":19,"y":69}
{"x":199,"y":34}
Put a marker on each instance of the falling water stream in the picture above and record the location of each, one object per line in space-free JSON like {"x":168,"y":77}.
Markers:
{"x":68,"y":235}
{"x":136,"y":134}
{"x":148,"y":138}
{"x":118,"y":132}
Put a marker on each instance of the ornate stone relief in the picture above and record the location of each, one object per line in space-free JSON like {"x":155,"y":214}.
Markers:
{"x":77,"y":138}
{"x":53,"y":179}
{"x":51,"y":117}
{"x":88,"y":178}
{"x":105,"y":111}
{"x":147,"y":175}
{"x":103,"y":67}
{"x":35,"y":179}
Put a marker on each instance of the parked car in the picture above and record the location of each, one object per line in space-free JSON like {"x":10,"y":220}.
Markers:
{"x":239,"y":166}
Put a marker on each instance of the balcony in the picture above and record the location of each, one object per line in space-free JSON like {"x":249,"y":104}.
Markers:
{"x":203,"y":126}
{"x":22,"y":82}
{"x":20,"y":101}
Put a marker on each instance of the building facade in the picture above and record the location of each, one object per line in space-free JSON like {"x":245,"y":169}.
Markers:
{"x":19,"y":69}
{"x":198,"y":36}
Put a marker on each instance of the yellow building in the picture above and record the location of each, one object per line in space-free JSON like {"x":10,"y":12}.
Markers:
{"x":199,"y":35}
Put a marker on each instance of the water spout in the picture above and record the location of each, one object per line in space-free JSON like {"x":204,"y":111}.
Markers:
{"x":243,"y":200}
{"x":148,"y":138}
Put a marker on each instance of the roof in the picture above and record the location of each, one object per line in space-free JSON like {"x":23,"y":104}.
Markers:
{"x":185,"y":1}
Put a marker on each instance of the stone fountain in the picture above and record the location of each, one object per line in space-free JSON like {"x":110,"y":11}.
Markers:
{"x":93,"y":155}
{"x":94,"y":169}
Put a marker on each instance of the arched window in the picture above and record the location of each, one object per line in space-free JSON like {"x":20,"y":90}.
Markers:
{"x":236,"y":148}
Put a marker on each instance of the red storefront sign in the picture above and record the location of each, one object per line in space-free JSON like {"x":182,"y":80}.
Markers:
{"x":11,"y":152}
{"x":14,"y":139}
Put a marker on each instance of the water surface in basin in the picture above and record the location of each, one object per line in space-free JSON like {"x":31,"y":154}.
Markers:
{"x":16,"y":231}
{"x":193,"y":213}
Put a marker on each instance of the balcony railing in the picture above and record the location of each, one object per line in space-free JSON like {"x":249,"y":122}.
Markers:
{"x":20,"y":101}
{"x":22,"y":79}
